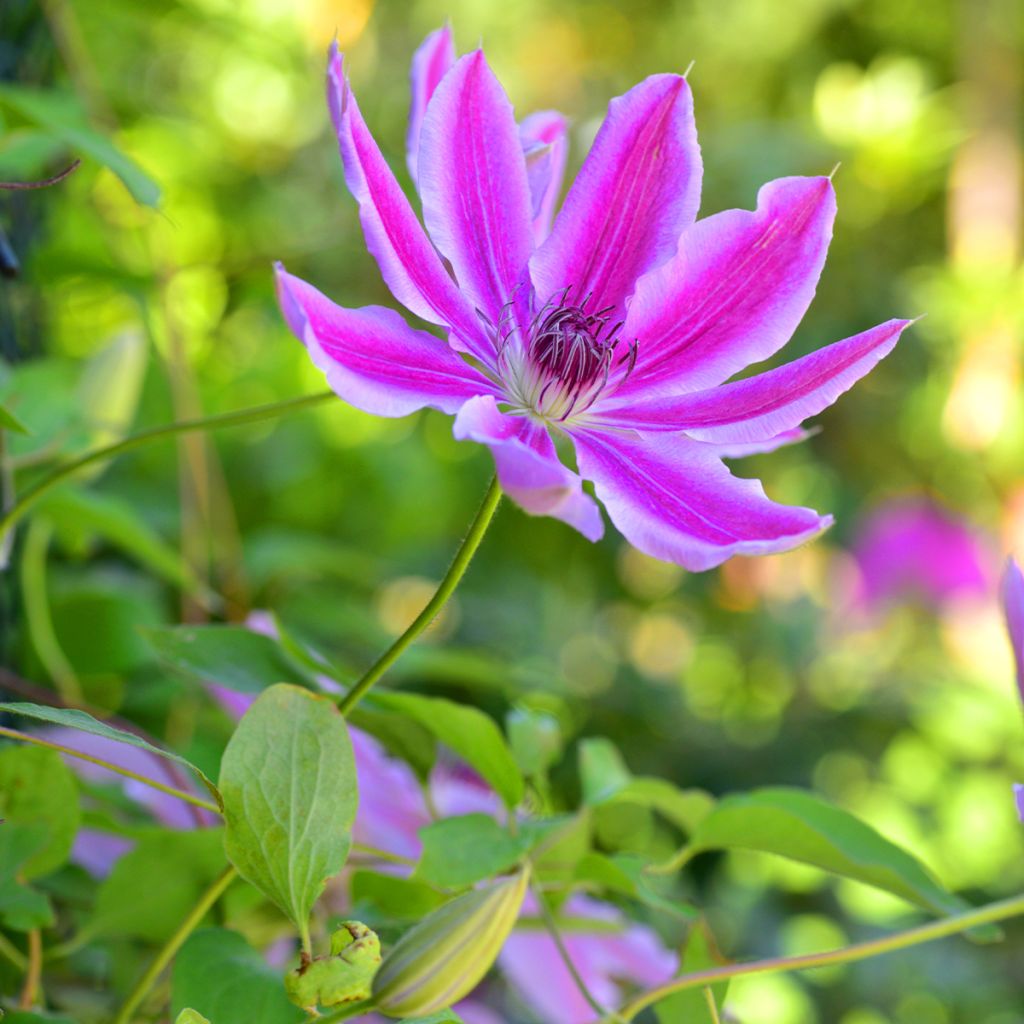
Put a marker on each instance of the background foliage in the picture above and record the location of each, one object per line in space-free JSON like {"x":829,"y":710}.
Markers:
{"x":132,"y":311}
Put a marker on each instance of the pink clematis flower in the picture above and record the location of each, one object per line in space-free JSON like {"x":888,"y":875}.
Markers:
{"x":1013,"y":606}
{"x":914,"y":547}
{"x":616,"y":331}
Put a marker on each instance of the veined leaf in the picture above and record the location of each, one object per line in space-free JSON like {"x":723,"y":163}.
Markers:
{"x":288,"y":780}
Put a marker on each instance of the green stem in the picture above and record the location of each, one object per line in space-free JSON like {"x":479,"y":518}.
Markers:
{"x":181,"y":794}
{"x":11,"y":951}
{"x":444,"y":591}
{"x":988,"y":914}
{"x":174,"y":943}
{"x":230,"y":419}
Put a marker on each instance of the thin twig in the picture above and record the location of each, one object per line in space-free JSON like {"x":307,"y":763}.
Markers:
{"x":17,"y":186}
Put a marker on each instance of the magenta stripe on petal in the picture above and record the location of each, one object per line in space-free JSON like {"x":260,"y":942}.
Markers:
{"x":408,"y":261}
{"x":430,"y":63}
{"x":637,"y":190}
{"x":545,"y":146}
{"x":757,"y":409}
{"x":674,"y":499}
{"x":528,"y":466}
{"x":373,"y":359}
{"x":472,"y":176}
{"x":735,"y":291}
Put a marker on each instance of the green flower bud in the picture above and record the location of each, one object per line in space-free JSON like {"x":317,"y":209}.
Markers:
{"x":446,"y":955}
{"x":342,"y":977}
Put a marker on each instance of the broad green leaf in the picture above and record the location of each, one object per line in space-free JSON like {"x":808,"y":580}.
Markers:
{"x":8,"y":421}
{"x":536,"y":739}
{"x":190,"y":1016}
{"x":128,"y":902}
{"x":230,"y":656}
{"x":391,"y":898}
{"x":469,"y":732}
{"x":62,"y":115}
{"x":77,"y":514}
{"x":72,"y":718}
{"x":692,"y":1005}
{"x":37,"y":788}
{"x":460,"y":851}
{"x":219,"y":976}
{"x":21,"y":907}
{"x":288,"y":781}
{"x":802,"y":827}
{"x":603,"y":772}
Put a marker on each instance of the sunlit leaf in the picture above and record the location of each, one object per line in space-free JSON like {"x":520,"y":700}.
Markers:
{"x":288,"y":781}
{"x":469,"y":732}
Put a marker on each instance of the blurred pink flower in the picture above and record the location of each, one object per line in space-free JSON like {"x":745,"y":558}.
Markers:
{"x":614,"y":331}
{"x":914,"y":548}
{"x":1013,"y":607}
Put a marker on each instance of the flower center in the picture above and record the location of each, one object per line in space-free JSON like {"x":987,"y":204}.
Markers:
{"x":570,"y":358}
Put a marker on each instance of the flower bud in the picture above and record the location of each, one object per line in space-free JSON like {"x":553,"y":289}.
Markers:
{"x":447,"y":954}
{"x":342,"y":977}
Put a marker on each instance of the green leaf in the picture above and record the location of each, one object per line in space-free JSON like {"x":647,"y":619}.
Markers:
{"x":129,"y":904}
{"x":802,"y":827}
{"x":190,"y":1016}
{"x":691,"y":1005}
{"x":403,"y":737}
{"x":109,"y":392}
{"x":603,"y":772}
{"x":441,"y":1017}
{"x":72,"y":718}
{"x":230,"y":656}
{"x":684,"y":808}
{"x":61,"y":114}
{"x":460,"y":851}
{"x":628,"y":874}
{"x":288,"y":780}
{"x":392,"y":898}
{"x":8,"y":421}
{"x":536,"y":739}
{"x":21,"y":907}
{"x":37,"y":788}
{"x":28,"y":1017}
{"x":469,"y":732}
{"x":219,"y":975}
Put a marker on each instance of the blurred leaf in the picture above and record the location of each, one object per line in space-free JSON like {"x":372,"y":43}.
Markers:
{"x":132,"y":901}
{"x":650,"y":890}
{"x":8,"y":421}
{"x":699,"y":954}
{"x":28,"y":1017}
{"x":536,"y":739}
{"x":460,"y":851}
{"x":603,"y":772}
{"x":288,"y":781}
{"x":393,"y":897}
{"x":684,"y":808}
{"x":406,"y":739}
{"x":61,"y":114}
{"x":219,"y":975}
{"x":77,"y":513}
{"x":37,"y":788}
{"x":799,"y":826}
{"x":441,"y":1017}
{"x":21,"y":907}
{"x":72,"y":718}
{"x":190,"y":1016}
{"x":469,"y":732}
{"x":561,"y":843}
{"x":231,"y":656}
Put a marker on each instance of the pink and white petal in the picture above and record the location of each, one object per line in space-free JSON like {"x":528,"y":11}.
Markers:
{"x":409,"y":263}
{"x":372,"y":358}
{"x":639,"y":187}
{"x":544,"y":136}
{"x":771,"y":444}
{"x":430,"y":63}
{"x":528,"y":467}
{"x":674,"y":499}
{"x":757,"y":409}
{"x":472,"y":177}
{"x":735,"y":290}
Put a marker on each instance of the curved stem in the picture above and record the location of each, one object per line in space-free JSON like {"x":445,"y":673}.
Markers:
{"x":444,"y":591}
{"x":174,"y":943}
{"x":230,"y":419}
{"x":181,"y":794}
{"x":34,"y":974}
{"x":988,"y":914}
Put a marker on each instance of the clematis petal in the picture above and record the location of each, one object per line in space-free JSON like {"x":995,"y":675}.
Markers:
{"x":757,"y":409}
{"x":674,"y":499}
{"x":472,"y":175}
{"x":430,"y":63}
{"x":771,"y":444}
{"x":735,"y":290}
{"x":528,"y":466}
{"x":1013,"y":608}
{"x":639,"y":187}
{"x":408,"y":261}
{"x":372,"y":358}
{"x":1018,"y":791}
{"x":545,"y":146}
